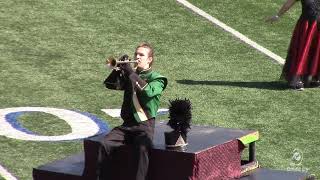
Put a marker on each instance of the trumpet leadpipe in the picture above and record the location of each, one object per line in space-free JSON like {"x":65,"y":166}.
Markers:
{"x":124,"y":62}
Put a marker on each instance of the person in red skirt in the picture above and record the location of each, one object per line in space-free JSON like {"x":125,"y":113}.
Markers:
{"x":302,"y":66}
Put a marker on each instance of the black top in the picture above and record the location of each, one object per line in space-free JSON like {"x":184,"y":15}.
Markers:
{"x":310,"y":9}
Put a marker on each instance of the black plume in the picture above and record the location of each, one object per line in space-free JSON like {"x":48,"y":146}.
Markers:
{"x":180,"y":115}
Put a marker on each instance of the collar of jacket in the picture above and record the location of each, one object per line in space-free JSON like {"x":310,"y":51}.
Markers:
{"x":144,"y":71}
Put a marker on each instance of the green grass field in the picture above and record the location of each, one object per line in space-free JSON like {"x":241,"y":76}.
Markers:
{"x":52,"y":54}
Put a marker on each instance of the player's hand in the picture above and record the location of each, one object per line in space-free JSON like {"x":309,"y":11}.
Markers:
{"x":126,"y":67}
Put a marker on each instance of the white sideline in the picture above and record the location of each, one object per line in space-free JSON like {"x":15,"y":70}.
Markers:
{"x":235,"y":33}
{"x":5,"y":174}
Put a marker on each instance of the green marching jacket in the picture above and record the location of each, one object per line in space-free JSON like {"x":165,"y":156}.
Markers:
{"x":142,"y":92}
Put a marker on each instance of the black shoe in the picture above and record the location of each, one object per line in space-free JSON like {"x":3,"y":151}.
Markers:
{"x":315,"y":83}
{"x":298,"y":86}
{"x":311,"y":177}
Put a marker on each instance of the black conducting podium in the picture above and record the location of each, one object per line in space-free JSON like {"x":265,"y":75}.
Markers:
{"x":212,"y":153}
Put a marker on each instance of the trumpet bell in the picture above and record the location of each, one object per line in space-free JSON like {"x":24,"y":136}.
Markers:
{"x":112,"y":63}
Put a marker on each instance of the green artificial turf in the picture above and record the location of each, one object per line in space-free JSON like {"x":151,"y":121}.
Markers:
{"x":53,"y":54}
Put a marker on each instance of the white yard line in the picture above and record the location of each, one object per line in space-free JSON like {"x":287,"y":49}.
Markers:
{"x":235,"y":33}
{"x":5,"y":174}
{"x":116,"y":112}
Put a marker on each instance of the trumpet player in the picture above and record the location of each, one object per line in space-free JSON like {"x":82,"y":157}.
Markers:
{"x":142,"y":91}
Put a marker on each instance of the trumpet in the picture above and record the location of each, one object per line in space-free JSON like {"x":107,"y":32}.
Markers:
{"x":112,"y":63}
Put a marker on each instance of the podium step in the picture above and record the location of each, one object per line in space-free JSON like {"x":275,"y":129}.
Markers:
{"x":268,"y":174}
{"x":70,"y":168}
{"x":212,"y":153}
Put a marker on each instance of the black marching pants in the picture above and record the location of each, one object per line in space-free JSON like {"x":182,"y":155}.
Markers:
{"x":139,"y":135}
